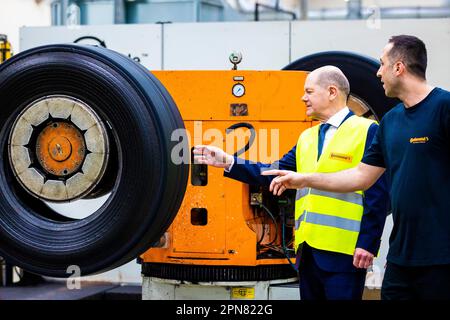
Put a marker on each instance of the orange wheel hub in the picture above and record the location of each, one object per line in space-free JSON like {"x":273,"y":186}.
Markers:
{"x":60,"y":148}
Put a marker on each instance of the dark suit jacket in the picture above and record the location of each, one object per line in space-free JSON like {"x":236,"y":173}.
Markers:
{"x":375,"y":206}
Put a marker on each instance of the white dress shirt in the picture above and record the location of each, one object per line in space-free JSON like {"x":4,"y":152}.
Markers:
{"x":335,"y":122}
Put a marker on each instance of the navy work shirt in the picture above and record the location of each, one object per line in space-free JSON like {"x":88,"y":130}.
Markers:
{"x":413,"y":144}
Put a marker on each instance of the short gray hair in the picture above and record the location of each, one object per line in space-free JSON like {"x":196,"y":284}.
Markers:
{"x":331,"y":75}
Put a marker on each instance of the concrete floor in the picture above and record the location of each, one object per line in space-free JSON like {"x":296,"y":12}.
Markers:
{"x":59,"y":291}
{"x":95,"y":291}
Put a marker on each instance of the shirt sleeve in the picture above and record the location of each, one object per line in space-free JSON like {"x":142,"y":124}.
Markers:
{"x":374,"y":154}
{"x":376,"y":203}
{"x":250,"y":172}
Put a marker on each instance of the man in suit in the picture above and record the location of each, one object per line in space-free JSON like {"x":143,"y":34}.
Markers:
{"x":337,"y":235}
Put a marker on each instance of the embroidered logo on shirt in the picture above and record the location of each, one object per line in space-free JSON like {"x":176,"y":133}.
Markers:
{"x":341,"y":157}
{"x":419,"y":140}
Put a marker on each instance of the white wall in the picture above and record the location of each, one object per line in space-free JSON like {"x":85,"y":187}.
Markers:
{"x":206,"y":46}
{"x":314,"y":36}
{"x":17,"y":13}
{"x":265,"y":45}
{"x":141,"y":40}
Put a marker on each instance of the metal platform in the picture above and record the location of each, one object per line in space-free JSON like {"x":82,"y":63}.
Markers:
{"x":166,"y":289}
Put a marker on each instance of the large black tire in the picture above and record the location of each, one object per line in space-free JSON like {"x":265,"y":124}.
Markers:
{"x":361,"y":73}
{"x":148,"y":187}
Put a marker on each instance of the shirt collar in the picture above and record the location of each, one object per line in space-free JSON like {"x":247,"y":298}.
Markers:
{"x":338,"y":117}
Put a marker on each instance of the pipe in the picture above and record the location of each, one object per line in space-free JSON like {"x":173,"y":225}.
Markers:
{"x":119,"y":11}
{"x":274,"y":8}
{"x":354,"y":9}
{"x":385,"y":13}
{"x":416,"y":12}
{"x":64,"y":6}
{"x":59,"y":12}
{"x":304,"y":9}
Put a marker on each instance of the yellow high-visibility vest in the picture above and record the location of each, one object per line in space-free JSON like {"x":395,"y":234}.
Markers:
{"x":329,"y":220}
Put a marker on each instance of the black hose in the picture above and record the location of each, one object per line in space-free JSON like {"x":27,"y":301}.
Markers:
{"x":250,"y":140}
{"x":100,"y":42}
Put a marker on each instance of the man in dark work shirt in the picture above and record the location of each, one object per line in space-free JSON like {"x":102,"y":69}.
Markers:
{"x":413,"y":146}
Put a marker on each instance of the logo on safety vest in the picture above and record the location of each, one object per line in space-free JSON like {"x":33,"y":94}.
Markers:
{"x":341,"y":157}
{"x":419,"y":140}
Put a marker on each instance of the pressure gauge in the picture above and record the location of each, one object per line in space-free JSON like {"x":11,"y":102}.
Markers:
{"x":238,"y":90}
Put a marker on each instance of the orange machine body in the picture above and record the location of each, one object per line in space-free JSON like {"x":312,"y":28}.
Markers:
{"x":216,"y":223}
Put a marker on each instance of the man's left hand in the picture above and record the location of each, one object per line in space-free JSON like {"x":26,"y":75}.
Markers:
{"x":362,"y":259}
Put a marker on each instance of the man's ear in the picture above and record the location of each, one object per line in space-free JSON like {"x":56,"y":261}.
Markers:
{"x":333,"y":91}
{"x":399,"y":68}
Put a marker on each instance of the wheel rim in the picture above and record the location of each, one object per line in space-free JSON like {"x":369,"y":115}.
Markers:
{"x":58,"y":148}
{"x":360,"y":107}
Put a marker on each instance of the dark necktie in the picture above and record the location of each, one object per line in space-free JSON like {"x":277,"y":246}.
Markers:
{"x":322,"y":130}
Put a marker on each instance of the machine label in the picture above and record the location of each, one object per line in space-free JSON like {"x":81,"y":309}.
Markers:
{"x":243,"y":293}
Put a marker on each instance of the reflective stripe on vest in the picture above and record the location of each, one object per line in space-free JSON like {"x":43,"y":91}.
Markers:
{"x":351,"y":197}
{"x":328,"y":221}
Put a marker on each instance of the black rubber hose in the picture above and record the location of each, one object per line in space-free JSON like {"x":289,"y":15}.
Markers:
{"x":100,"y":42}
{"x":250,"y":140}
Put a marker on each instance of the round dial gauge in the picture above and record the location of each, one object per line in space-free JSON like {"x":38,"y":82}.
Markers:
{"x":238,"y":90}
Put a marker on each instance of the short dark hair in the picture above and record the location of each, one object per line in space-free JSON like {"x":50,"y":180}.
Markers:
{"x":412,"y":51}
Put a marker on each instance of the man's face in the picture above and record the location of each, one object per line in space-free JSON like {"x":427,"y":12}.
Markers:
{"x":386,"y":72}
{"x":316,"y":98}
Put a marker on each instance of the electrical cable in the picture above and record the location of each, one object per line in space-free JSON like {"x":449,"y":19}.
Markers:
{"x":274,"y":221}
{"x":283,"y":241}
{"x":263,"y":230}
{"x":284,"y":248}
{"x":283,"y":205}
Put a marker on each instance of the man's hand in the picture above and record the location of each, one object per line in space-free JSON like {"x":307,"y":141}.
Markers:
{"x":285,"y":180}
{"x":212,"y":156}
{"x":362,"y":259}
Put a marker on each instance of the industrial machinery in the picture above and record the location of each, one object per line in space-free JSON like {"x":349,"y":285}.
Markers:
{"x":5,"y":48}
{"x":85,"y":122}
{"x":228,"y":234}
{"x":226,"y":231}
